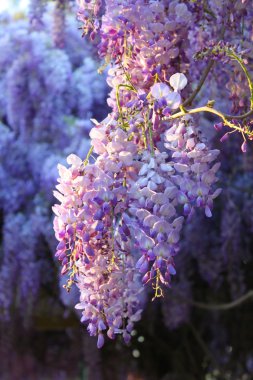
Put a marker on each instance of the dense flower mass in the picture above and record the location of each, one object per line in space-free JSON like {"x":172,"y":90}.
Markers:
{"x":124,"y":212}
{"x":154,"y":167}
{"x":129,"y":204}
{"x":88,"y":229}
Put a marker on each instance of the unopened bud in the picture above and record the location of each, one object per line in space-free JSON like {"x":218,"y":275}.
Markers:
{"x":224,"y":137}
{"x":218,"y":126}
{"x":244,"y":147}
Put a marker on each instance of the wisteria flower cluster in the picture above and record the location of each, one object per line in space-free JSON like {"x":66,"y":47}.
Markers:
{"x":124,"y":212}
{"x":152,"y":167}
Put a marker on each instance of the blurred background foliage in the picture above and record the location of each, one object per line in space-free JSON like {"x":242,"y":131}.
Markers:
{"x":49,"y":90}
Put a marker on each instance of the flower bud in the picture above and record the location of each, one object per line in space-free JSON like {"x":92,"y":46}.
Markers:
{"x":218,"y":126}
{"x":244,"y":147}
{"x":224,"y":137}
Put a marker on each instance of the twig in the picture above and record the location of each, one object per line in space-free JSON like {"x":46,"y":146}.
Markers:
{"x":210,"y":110}
{"x":204,"y":75}
{"x":226,"y":122}
{"x":239,"y":117}
{"x":201,"y":82}
{"x":221,"y":306}
{"x":203,"y":345}
{"x":224,"y":306}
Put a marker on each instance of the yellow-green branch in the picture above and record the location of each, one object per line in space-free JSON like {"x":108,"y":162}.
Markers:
{"x":213,"y":111}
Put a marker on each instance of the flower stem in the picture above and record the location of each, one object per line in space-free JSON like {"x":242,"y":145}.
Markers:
{"x":86,"y":161}
{"x":157,"y":287}
{"x":244,"y":68}
{"x":118,"y":87}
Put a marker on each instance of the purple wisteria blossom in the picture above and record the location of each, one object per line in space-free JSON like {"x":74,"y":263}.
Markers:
{"x":150,"y":168}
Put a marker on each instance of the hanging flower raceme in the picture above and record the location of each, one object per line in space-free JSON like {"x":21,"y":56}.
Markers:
{"x":109,"y":297}
{"x":170,"y":186}
{"x":157,"y":225}
{"x":121,"y":215}
{"x":94,"y":240}
{"x":195,"y":173}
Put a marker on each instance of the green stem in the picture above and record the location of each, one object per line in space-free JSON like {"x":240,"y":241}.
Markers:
{"x":113,"y":258}
{"x":144,"y":136}
{"x":244,"y":68}
{"x":151,"y":139}
{"x":151,"y":142}
{"x":121,"y":85}
{"x":128,"y":77}
{"x":86,"y":161}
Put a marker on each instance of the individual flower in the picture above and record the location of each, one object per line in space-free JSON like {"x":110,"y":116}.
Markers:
{"x":178,"y":81}
{"x":164,"y":96}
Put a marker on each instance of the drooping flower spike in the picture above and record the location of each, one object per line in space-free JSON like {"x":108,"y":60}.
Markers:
{"x":123,"y":214}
